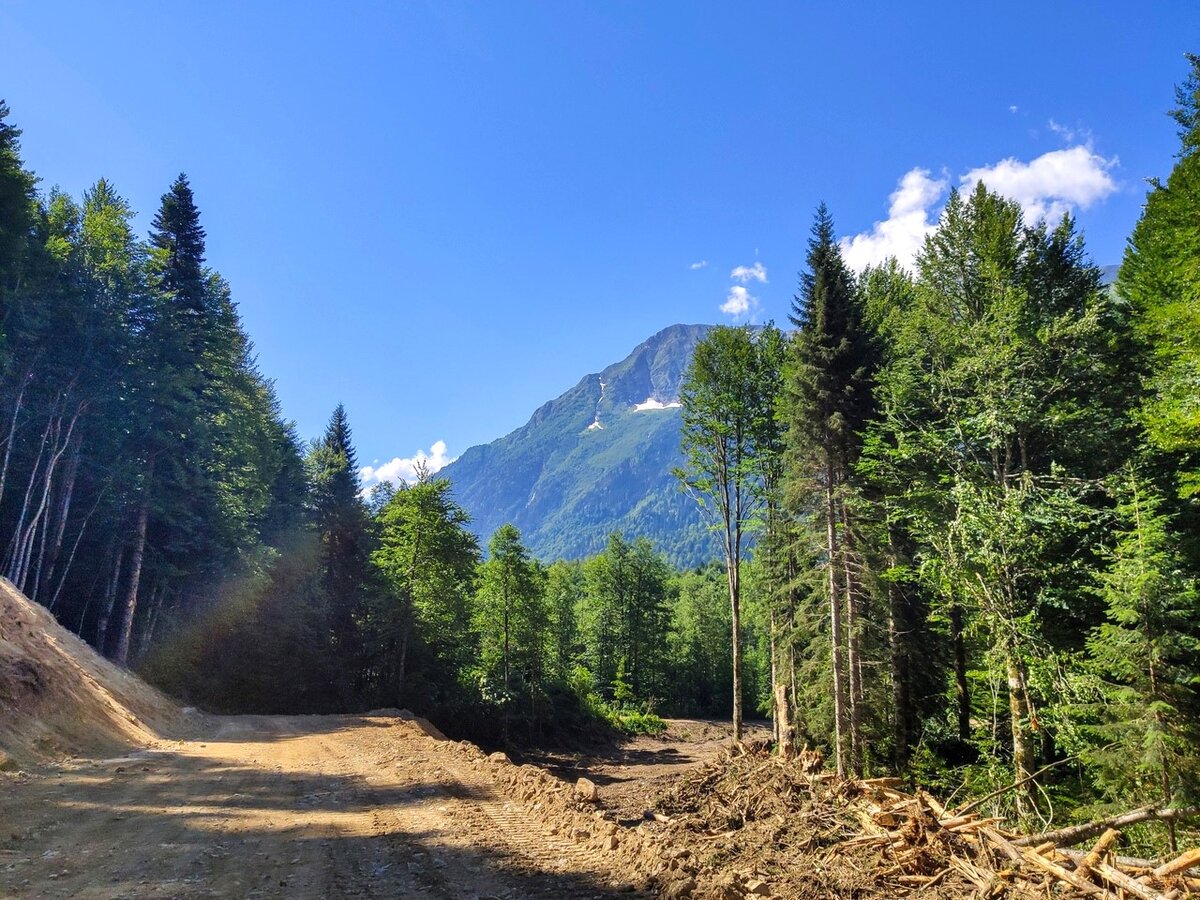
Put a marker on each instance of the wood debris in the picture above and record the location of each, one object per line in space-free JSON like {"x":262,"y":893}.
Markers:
{"x":806,"y":830}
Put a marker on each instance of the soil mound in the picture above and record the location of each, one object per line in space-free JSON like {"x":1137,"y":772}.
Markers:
{"x":58,"y":697}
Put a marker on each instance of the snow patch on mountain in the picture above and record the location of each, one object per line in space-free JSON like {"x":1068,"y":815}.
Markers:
{"x":653,"y":403}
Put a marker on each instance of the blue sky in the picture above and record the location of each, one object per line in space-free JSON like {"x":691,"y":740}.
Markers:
{"x":444,"y":214}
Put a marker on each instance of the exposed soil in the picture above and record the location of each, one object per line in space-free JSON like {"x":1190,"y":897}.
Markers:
{"x":632,"y":774}
{"x":60,"y":698}
{"x":290,"y":806}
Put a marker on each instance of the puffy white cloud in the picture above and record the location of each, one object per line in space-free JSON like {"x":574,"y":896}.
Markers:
{"x":405,"y":468}
{"x":739,"y":302}
{"x":699,"y":265}
{"x":1045,"y":187}
{"x":903,"y":232}
{"x":746,"y":274}
{"x":1050,"y":185}
{"x":1013,"y":108}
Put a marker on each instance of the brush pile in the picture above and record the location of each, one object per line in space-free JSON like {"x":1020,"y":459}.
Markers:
{"x":782,"y":828}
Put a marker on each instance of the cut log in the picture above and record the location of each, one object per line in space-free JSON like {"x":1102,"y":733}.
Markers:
{"x":1063,"y":875}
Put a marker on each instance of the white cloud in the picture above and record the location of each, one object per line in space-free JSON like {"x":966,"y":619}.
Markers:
{"x":1013,"y":108}
{"x":739,"y":302}
{"x":1054,"y":183}
{"x":699,"y":265}
{"x":405,"y":468}
{"x":903,"y":232}
{"x":1045,"y":187}
{"x":745,"y":274}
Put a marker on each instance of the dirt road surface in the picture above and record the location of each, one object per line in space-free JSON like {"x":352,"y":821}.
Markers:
{"x":329,"y":806}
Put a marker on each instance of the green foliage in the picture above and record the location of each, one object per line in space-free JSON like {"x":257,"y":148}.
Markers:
{"x":1145,"y":659}
{"x":1160,"y":277}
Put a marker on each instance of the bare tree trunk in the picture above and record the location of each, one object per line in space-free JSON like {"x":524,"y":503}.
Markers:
{"x":735,"y":610}
{"x":60,"y":529}
{"x":156,"y":603}
{"x":837,"y":640}
{"x":29,"y":539}
{"x":12,"y":556}
{"x":776,"y":731}
{"x":121,"y":656}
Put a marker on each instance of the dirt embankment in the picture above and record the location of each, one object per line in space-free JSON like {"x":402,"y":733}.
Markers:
{"x":60,"y":698}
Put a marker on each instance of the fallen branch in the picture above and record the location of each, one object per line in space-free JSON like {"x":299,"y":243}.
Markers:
{"x":1073,"y":834}
{"x":1179,"y":864}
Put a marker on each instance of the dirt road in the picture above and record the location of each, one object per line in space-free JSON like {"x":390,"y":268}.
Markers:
{"x":330,"y":806}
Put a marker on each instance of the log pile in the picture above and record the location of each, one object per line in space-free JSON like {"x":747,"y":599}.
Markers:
{"x":806,"y":833}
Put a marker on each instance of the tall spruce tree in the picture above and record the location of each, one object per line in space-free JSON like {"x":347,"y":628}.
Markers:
{"x":342,"y":525}
{"x":829,"y":399}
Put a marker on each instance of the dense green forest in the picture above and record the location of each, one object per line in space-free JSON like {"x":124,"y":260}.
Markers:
{"x":954,"y":509}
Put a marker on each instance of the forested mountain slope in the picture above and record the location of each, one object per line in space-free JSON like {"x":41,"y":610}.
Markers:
{"x":596,"y":459}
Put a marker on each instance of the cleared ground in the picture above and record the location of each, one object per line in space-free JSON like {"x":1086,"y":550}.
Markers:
{"x":306,"y":806}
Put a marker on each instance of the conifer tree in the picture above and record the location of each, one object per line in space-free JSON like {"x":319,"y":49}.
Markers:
{"x":1147,"y":657}
{"x":829,"y":401}
{"x":510,"y":614}
{"x":341,"y":521}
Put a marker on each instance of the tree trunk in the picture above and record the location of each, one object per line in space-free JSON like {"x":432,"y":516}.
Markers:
{"x":12,"y":433}
{"x":835,"y":630}
{"x":110,"y":601}
{"x":13,"y":554}
{"x":898,"y":637}
{"x":121,"y":656}
{"x":1019,"y":710}
{"x":853,"y":647}
{"x":64,"y":512}
{"x":735,"y":610}
{"x":962,"y":691}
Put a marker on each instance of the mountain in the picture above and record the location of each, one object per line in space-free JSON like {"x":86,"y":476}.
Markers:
{"x":595,"y":460}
